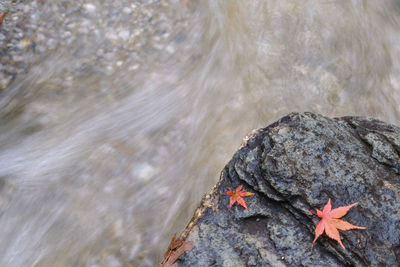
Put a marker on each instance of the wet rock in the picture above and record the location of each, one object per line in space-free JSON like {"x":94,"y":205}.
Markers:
{"x":293,"y":165}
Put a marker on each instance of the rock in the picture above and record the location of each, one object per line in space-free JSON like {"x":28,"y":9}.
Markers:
{"x":296,"y":164}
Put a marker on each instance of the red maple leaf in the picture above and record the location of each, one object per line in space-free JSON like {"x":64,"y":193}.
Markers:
{"x":330,"y":222}
{"x":237,"y":196}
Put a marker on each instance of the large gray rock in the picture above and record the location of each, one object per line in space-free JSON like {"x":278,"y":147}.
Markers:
{"x":293,"y":165}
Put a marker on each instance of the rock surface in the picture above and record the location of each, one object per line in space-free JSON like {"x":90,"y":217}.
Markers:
{"x":293,"y":165}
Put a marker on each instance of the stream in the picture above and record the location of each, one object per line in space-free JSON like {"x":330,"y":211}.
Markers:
{"x":128,"y":110}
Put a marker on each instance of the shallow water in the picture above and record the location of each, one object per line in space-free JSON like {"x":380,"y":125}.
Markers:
{"x":105,"y":150}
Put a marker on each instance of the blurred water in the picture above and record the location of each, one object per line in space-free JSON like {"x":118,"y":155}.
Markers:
{"x":105,"y":153}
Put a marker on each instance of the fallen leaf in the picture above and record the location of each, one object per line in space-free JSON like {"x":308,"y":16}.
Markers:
{"x":175,"y":242}
{"x":175,"y":249}
{"x":237,"y":196}
{"x":172,"y":245}
{"x":186,"y":246}
{"x":330,"y":222}
{"x":2,"y":16}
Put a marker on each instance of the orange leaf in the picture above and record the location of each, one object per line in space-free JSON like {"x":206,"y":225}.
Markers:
{"x":330,"y":222}
{"x":2,"y":16}
{"x":237,"y":196}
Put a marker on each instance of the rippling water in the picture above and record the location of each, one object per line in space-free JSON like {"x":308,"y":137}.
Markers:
{"x":105,"y":154}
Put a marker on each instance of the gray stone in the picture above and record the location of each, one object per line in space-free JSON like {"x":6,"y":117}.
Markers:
{"x":293,"y":165}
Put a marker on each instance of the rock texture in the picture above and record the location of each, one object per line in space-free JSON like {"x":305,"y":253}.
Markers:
{"x":293,"y":165}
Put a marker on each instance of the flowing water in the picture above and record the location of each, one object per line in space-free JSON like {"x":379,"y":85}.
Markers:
{"x":108,"y":143}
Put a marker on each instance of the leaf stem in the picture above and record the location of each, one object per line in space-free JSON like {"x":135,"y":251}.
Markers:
{"x":312,"y":212}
